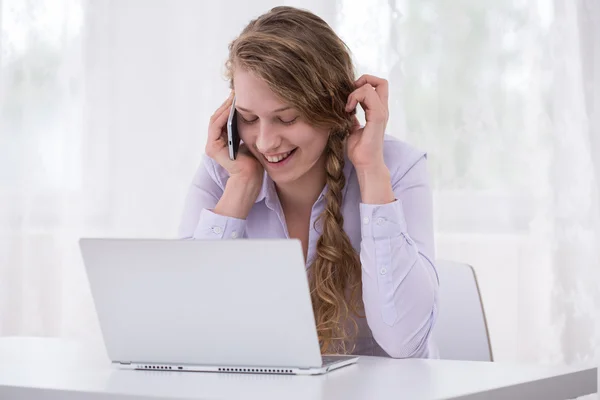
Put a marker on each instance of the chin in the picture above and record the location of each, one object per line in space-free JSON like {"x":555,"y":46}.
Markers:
{"x":284,"y":179}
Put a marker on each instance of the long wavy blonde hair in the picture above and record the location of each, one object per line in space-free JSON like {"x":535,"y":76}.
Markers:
{"x":307,"y":65}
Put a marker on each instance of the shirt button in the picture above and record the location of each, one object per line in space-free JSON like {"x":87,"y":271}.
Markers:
{"x":217,"y":230}
{"x":383,"y":271}
{"x":234,"y":235}
{"x":366,"y":220}
{"x":380,"y":221}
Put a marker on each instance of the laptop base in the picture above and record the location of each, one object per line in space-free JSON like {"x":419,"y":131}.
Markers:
{"x":331,"y":363}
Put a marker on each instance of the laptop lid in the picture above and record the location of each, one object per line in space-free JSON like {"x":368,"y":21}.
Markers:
{"x":203,"y":302}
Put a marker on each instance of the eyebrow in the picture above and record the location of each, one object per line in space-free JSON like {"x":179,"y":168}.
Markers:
{"x":275,"y":111}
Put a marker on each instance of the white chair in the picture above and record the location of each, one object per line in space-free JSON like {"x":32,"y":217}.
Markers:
{"x":460,"y":332}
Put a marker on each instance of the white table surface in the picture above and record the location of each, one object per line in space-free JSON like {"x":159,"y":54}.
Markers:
{"x":49,"y":369}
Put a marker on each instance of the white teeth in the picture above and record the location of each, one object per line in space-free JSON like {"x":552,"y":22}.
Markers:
{"x":277,"y":158}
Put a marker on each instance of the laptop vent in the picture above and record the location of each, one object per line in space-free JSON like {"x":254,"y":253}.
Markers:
{"x":258,"y":370}
{"x":230,"y":369}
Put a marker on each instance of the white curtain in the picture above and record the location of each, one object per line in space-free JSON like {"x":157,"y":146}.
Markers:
{"x":505,"y":96}
{"x":104,"y":109}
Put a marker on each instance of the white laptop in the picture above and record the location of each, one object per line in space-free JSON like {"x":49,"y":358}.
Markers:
{"x":201,"y":305}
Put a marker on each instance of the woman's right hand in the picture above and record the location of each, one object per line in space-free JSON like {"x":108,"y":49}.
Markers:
{"x":245,"y":166}
{"x":245,"y":172}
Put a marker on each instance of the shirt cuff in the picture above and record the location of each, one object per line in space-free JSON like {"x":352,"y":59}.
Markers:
{"x":382,"y":220}
{"x":216,"y":226}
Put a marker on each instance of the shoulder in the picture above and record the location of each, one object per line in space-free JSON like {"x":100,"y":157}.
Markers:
{"x":401,"y":157}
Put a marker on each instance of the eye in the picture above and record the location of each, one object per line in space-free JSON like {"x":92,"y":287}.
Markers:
{"x":288,"y":122}
{"x":244,"y":120}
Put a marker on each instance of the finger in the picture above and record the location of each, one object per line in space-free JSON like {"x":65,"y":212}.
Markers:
{"x":218,"y":151}
{"x":370,"y":102}
{"x":224,"y":105}
{"x":218,"y":122}
{"x":364,"y":94}
{"x":228,"y":100}
{"x":381,"y":85}
{"x":373,"y":80}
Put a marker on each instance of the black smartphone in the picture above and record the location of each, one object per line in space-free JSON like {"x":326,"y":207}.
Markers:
{"x":233,"y":137}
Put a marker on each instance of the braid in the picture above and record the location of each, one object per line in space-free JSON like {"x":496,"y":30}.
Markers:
{"x":337,"y":265}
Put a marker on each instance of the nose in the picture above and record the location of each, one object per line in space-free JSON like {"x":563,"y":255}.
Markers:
{"x":267,"y":141}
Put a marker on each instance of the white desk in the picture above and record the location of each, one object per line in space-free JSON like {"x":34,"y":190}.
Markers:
{"x":51,"y":369}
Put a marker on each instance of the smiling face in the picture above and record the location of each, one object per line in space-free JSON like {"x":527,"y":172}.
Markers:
{"x":276,"y":134}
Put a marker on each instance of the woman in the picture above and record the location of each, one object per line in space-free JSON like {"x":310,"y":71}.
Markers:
{"x":358,"y":200}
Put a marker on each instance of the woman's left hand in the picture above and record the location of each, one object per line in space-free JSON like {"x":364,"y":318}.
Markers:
{"x":365,"y":145}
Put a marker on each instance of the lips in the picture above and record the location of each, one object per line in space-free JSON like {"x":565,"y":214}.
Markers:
{"x":278,"y":157}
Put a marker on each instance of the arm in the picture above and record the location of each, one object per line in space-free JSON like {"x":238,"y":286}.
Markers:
{"x":211,"y":212}
{"x":397,"y":252}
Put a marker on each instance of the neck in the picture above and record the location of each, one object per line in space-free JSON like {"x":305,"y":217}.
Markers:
{"x":302,"y":194}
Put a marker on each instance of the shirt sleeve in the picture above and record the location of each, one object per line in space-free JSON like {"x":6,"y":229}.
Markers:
{"x":399,"y":278}
{"x":198,"y":220}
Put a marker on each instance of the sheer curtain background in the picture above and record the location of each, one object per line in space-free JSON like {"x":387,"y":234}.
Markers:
{"x":104,"y":107}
